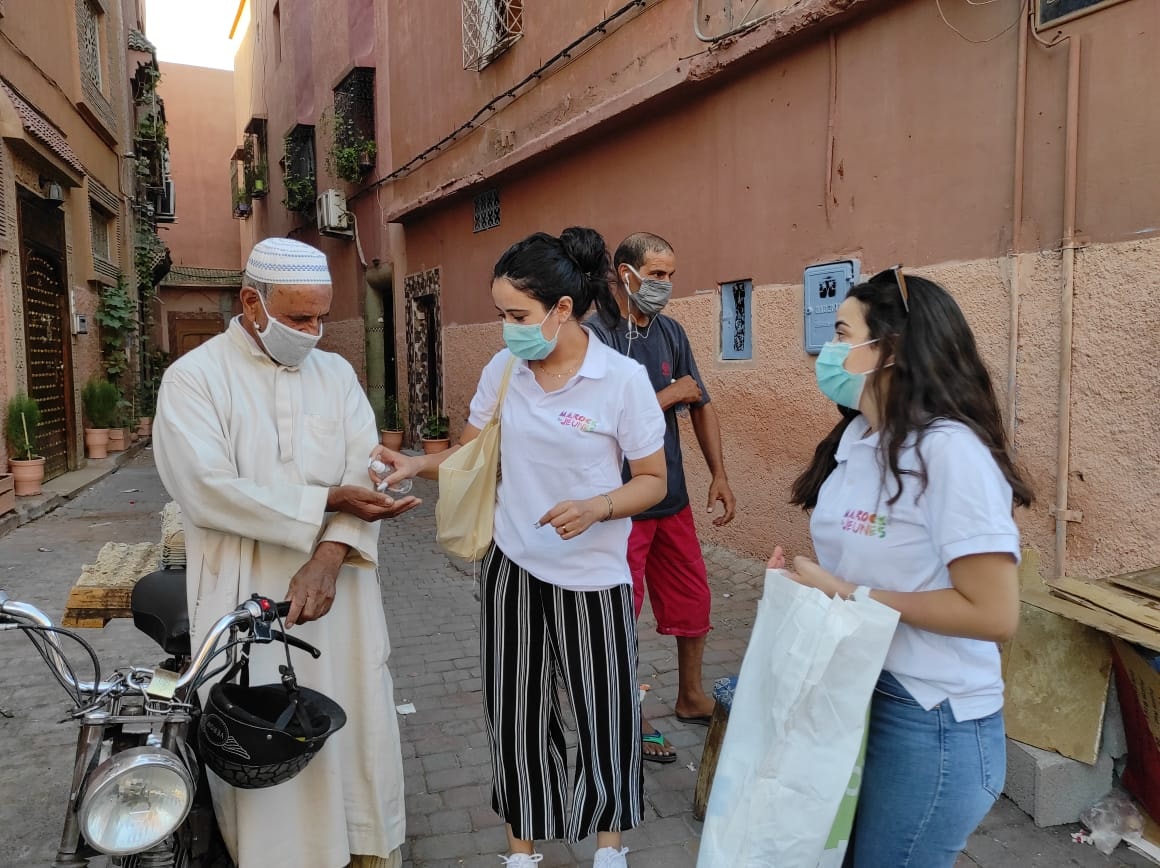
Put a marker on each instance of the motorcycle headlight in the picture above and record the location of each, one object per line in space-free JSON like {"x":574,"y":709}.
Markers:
{"x":134,"y":800}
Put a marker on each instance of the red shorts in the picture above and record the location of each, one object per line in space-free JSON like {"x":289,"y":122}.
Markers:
{"x":665,"y":554}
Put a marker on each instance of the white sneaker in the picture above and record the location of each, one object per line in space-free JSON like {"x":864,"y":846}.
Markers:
{"x":521,"y":860}
{"x":610,"y":857}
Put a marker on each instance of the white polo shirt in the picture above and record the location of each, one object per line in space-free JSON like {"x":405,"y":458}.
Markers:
{"x":964,"y":510}
{"x":568,"y":445}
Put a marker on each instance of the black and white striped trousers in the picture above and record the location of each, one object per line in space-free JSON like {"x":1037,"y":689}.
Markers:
{"x":535,"y":638}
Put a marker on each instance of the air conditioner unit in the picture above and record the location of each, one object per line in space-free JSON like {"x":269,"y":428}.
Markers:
{"x":333,"y":218}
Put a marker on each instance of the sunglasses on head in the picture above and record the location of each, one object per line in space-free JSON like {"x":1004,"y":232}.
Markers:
{"x":899,"y":281}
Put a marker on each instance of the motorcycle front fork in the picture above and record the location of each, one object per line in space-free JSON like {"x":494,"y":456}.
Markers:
{"x":89,"y":740}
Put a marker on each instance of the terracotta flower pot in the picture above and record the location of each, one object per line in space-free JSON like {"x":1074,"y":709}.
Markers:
{"x":145,"y":426}
{"x":393,"y":440}
{"x":430,"y":446}
{"x":117,"y":440}
{"x":97,"y":442}
{"x":27,"y":476}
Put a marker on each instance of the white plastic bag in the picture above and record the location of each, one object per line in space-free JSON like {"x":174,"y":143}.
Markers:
{"x":796,"y":728}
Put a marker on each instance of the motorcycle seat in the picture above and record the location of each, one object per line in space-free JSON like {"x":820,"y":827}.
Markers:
{"x":160,"y":610}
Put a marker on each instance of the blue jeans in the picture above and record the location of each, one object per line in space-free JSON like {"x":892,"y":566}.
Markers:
{"x":928,"y":782}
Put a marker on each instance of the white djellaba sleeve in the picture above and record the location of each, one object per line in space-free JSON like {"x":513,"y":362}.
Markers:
{"x":194,"y":458}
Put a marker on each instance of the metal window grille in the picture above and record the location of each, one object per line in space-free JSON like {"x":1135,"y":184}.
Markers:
{"x":354,"y":103}
{"x":486,"y":210}
{"x":88,"y":27}
{"x":298,"y":170}
{"x":489,"y":27}
{"x":299,"y":160}
{"x":737,"y":320}
{"x":256,"y":155}
{"x":99,"y":229}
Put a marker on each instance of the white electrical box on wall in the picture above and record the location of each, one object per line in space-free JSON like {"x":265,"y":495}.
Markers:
{"x":80,"y":324}
{"x":826,"y":285}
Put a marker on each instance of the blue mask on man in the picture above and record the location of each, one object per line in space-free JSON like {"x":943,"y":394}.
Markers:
{"x":528,"y":341}
{"x":834,"y":381}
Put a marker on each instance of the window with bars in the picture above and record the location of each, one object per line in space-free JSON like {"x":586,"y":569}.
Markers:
{"x":89,"y":16}
{"x":353,"y":148}
{"x":489,"y":28}
{"x":256,"y":150}
{"x":298,"y":169}
{"x":486,"y":210}
{"x":99,"y":228}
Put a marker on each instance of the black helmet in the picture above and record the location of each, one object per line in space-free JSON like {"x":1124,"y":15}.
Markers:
{"x":254,"y":737}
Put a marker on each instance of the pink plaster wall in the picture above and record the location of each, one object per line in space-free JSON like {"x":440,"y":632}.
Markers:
{"x":320,"y":44}
{"x":201,"y":141}
{"x":773,"y":415}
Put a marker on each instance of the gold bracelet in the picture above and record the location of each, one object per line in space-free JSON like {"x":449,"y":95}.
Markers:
{"x":609,"y":499}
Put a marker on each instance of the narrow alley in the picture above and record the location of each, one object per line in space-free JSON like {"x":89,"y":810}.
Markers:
{"x":433,"y":620}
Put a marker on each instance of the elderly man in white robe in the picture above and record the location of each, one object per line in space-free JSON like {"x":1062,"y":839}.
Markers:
{"x":263,"y":441}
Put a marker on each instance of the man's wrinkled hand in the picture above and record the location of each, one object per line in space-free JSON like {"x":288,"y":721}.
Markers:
{"x":311,"y":591}
{"x":366,"y":504}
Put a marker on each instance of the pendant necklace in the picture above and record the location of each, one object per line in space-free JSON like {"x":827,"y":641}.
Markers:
{"x":558,"y":376}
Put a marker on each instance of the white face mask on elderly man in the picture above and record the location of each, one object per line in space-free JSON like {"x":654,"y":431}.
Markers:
{"x":285,"y":345}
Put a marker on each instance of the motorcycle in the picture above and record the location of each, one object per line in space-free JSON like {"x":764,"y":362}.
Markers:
{"x":139,"y":792}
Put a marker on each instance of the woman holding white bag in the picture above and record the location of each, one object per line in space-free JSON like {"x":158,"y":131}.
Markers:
{"x":556,"y":591}
{"x":912,"y":496}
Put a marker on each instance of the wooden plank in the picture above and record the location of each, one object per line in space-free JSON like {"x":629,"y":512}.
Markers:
{"x":70,"y":620}
{"x":105,"y":588}
{"x":1103,"y":621}
{"x":714,"y":739}
{"x":1141,"y":609}
{"x":1146,"y":582}
{"x":1056,"y":673}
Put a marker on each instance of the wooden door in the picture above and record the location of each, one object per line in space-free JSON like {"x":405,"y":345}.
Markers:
{"x":188,"y":331}
{"x":47,"y":336}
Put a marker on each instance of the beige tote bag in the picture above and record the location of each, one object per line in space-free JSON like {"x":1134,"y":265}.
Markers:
{"x":465,"y":511}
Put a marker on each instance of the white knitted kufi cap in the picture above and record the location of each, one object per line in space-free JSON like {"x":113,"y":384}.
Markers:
{"x":286,"y":261}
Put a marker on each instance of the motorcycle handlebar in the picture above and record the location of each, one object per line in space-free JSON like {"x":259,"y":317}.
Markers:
{"x":254,"y":609}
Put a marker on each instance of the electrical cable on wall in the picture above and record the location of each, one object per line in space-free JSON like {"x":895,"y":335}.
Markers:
{"x":1023,"y":9}
{"x":511,"y":94}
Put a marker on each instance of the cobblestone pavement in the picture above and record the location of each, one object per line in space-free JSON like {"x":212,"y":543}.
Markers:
{"x":433,"y":618}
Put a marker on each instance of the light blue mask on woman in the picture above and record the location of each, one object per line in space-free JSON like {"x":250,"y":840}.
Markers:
{"x":835,"y":382}
{"x":528,"y":341}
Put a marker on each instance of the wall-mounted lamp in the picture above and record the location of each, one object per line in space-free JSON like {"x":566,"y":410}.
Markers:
{"x":53,"y":193}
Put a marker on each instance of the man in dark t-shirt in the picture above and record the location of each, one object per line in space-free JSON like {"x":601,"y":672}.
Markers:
{"x":664,"y":553}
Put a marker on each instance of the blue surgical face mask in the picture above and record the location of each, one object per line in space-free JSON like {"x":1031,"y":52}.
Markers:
{"x":835,"y":382}
{"x":528,"y":341}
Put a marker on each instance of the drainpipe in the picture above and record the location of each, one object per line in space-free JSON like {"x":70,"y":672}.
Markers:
{"x":379,"y":278}
{"x":1062,"y":514}
{"x":1017,"y":225}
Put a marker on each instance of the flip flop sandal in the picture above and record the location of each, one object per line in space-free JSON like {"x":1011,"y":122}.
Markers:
{"x":698,"y":720}
{"x":659,"y":740}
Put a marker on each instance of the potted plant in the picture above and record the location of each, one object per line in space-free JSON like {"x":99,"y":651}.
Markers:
{"x":434,"y":433}
{"x":119,"y":432}
{"x":351,"y":154}
{"x":258,"y":188}
{"x":99,"y":398}
{"x":392,"y":431}
{"x":146,"y":408}
{"x":300,"y":193}
{"x":20,"y":430}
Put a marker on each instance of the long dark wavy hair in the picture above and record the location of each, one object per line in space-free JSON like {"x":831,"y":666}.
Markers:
{"x":937,"y":374}
{"x":576,"y":265}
